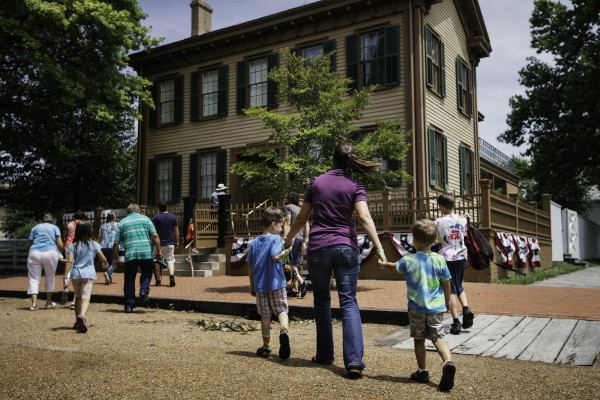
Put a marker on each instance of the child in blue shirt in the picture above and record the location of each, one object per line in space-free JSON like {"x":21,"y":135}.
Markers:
{"x":428,"y":292}
{"x":80,"y":264}
{"x":267,"y":281}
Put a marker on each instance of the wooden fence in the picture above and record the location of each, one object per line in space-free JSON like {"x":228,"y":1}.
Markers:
{"x":13,"y":255}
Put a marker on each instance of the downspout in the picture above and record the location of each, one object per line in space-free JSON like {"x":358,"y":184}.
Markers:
{"x":412,"y":96}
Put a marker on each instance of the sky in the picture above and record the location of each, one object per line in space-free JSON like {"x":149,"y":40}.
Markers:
{"x":507,"y":23}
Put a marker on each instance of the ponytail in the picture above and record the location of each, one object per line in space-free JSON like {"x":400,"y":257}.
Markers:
{"x":344,"y":158}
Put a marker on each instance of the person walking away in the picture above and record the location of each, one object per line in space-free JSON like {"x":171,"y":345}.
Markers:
{"x":69,"y":236}
{"x":292,"y":206}
{"x":44,"y":249}
{"x":189,"y":241}
{"x":452,"y":229}
{"x":106,"y":237}
{"x":137,"y":234}
{"x":214,"y":197}
{"x":268,"y":283}
{"x":428,"y":292}
{"x":167,"y":227}
{"x":332,"y":246}
{"x":81,"y":270}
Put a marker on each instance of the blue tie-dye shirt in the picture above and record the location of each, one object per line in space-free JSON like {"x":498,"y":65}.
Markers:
{"x":425,"y":273}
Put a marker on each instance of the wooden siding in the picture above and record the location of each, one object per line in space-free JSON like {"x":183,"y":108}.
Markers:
{"x":443,"y":113}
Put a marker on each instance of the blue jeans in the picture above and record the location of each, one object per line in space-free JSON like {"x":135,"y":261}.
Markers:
{"x":344,"y":261}
{"x":131,"y":267}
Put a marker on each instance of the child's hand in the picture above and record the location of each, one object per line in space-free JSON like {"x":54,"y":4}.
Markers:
{"x":65,"y":283}
{"x":389,"y":266}
{"x":105,"y":266}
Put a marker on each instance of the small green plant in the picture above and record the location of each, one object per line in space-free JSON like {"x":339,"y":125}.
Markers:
{"x":557,"y":268}
{"x":171,"y":306}
{"x":225,"y":326}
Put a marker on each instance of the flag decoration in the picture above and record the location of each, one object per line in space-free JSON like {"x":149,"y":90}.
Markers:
{"x":239,"y":251}
{"x":505,"y":246}
{"x":522,"y":249}
{"x":534,"y":255}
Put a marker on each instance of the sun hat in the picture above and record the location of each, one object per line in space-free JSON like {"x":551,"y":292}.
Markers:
{"x":220,"y":187}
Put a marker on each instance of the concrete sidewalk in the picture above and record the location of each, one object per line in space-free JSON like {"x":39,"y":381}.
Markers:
{"x":379,"y":301}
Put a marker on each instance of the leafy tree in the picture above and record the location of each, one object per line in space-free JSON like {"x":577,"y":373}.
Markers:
{"x":320,"y":115}
{"x":68,"y":103}
{"x":559,"y":115}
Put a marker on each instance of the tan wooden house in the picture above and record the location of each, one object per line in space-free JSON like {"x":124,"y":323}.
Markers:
{"x":422,"y":54}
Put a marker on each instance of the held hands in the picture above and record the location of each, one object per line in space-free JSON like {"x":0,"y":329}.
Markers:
{"x":105,"y":266}
{"x":65,"y":283}
{"x":388,"y":266}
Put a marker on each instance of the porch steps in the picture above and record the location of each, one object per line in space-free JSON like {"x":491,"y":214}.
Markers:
{"x":206,"y":264}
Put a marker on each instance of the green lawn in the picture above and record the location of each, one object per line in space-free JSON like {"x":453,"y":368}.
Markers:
{"x":557,"y":268}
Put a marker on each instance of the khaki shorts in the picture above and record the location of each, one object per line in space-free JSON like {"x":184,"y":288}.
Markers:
{"x":168,"y":253}
{"x":426,"y":326}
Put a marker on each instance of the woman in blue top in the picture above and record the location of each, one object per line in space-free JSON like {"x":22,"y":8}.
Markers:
{"x":80,"y":263}
{"x":106,"y":237}
{"x":43,"y":246}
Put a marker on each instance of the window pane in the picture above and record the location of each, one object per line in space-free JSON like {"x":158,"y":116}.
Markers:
{"x":372,"y":58}
{"x":167,"y":103}
{"x":208,"y":173}
{"x":311,"y":52}
{"x":258,"y":82}
{"x":164,"y":179}
{"x":210,"y":85}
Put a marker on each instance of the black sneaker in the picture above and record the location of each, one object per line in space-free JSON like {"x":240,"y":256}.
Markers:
{"x":467,"y":318}
{"x":284,"y":345}
{"x":421,"y":377}
{"x":144,"y":299}
{"x":447,"y":381}
{"x":128,"y":310}
{"x":456,"y":327}
{"x":303,"y":288}
{"x":157,"y":283}
{"x":171,"y":281}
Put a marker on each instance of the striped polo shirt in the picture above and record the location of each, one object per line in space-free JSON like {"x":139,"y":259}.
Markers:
{"x":134,"y":235}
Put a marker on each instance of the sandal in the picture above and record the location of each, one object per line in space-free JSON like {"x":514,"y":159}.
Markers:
{"x":49,"y":306}
{"x":314,"y":359}
{"x":33,"y":308}
{"x":263,"y":352}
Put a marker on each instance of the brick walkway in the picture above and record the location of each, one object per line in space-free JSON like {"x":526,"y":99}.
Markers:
{"x":534,"y":301}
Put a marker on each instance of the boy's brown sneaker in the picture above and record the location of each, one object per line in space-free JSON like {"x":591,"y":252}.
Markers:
{"x":421,"y":377}
{"x":447,"y":381}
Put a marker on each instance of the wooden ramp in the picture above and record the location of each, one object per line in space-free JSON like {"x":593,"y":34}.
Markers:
{"x":550,"y":340}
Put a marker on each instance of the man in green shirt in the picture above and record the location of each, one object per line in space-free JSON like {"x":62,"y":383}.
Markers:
{"x":136,"y":233}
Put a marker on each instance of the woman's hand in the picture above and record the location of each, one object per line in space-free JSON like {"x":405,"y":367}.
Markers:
{"x":65,"y":283}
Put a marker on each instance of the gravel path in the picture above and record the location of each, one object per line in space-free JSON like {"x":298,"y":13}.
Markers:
{"x":160,"y":354}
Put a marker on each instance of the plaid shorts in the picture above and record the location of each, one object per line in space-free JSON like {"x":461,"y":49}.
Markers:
{"x":271,"y":302}
{"x":426,"y":326}
{"x":83,"y":288}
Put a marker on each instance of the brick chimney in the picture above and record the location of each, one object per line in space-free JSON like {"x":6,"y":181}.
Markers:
{"x":201,"y":17}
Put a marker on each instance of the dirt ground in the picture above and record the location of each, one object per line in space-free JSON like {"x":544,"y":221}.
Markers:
{"x":161,"y":354}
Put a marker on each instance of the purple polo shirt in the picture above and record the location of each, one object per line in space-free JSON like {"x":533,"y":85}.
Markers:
{"x":332,"y":196}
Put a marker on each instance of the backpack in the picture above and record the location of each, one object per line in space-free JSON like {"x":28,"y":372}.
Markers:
{"x":475,"y":242}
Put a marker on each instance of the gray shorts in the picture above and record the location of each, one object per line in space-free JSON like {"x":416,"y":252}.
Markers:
{"x":426,"y":326}
{"x":168,"y":253}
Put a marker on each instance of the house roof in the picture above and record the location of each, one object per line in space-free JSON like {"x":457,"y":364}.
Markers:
{"x":271,"y":29}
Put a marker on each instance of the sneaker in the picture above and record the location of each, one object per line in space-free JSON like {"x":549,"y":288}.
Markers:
{"x":354,"y":371}
{"x":157,"y":283}
{"x":447,"y":381}
{"x":284,"y":345}
{"x":33,"y":308}
{"x":303,"y":289}
{"x":128,"y":310}
{"x":195,"y":250}
{"x":294,"y":294}
{"x":421,"y":377}
{"x":82,"y":324}
{"x":72,"y":306}
{"x":263,"y":352}
{"x":106,"y":278}
{"x":76,"y":326}
{"x":467,"y":318}
{"x":188,"y":259}
{"x":455,"y":328}
{"x":171,"y":281}
{"x":144,"y":299}
{"x":49,"y":306}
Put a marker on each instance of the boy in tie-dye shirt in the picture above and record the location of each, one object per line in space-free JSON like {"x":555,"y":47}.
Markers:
{"x":452,"y":229}
{"x":428,"y":292}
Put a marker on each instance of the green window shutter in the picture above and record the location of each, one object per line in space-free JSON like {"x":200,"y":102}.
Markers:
{"x":392,"y":55}
{"x":352,"y":60}
{"x":178,"y":117}
{"x":443,"y":68}
{"x":242,"y":88}
{"x":328,"y":47}
{"x":194,"y":96}
{"x":223,"y":92}
{"x":428,"y":57}
{"x":470,"y":91}
{"x":152,"y":113}
{"x":193,"y":172}
{"x":433,"y":179}
{"x":176,"y":179}
{"x":445,"y":160}
{"x":151,"y":199}
{"x":272,"y":86}
{"x":462,"y":153}
{"x":222,"y":167}
{"x":459,"y":84}
{"x":472,"y":155}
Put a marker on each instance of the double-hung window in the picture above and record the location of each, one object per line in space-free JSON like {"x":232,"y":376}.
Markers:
{"x":311,"y":51}
{"x":435,"y":71}
{"x":207,"y":170}
{"x":464,"y":87}
{"x":438,"y":160}
{"x":467,"y":170}
{"x":372,"y":58}
{"x":253,"y":87}
{"x":208,"y":93}
{"x":257,"y":82}
{"x":168,"y":101}
{"x":164,"y":179}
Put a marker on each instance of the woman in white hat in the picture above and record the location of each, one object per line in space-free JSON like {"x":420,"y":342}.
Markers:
{"x":219,"y":191}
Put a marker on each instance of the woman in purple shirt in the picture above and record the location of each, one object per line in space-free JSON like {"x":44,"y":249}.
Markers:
{"x":332,"y":246}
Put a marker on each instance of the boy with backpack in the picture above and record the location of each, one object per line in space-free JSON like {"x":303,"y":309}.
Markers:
{"x":428,"y":292}
{"x":452,"y":229}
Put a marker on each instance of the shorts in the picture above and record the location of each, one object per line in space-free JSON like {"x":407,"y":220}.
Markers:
{"x":426,"y":326}
{"x":457,"y":272}
{"x":271,"y":302}
{"x":83,"y":288}
{"x":296,"y":253}
{"x":168,"y":253}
